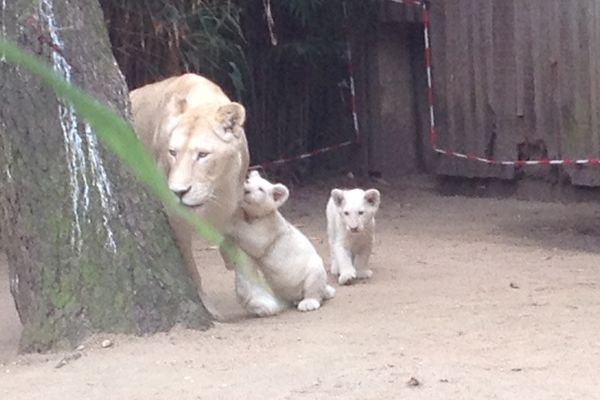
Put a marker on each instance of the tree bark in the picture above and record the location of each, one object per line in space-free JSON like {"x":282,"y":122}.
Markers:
{"x":89,"y":249}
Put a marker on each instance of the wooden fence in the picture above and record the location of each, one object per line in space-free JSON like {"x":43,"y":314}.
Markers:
{"x":517,"y":79}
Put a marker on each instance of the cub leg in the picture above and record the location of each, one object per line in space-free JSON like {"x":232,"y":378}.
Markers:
{"x":227,"y":243}
{"x":314,"y":286}
{"x":335,"y":270}
{"x":256,"y":300}
{"x":343,"y":260}
{"x":361,"y":262}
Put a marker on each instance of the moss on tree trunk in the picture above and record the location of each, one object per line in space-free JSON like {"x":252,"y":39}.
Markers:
{"x":89,"y":249}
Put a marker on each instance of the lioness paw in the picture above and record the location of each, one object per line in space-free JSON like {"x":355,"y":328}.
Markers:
{"x":309,"y":305}
{"x":346,"y":277}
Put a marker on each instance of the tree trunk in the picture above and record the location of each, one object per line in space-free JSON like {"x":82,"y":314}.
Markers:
{"x":89,"y":249}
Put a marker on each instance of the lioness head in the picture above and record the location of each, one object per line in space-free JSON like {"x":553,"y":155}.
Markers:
{"x":356,"y":207}
{"x":262,"y":197}
{"x":205,"y":151}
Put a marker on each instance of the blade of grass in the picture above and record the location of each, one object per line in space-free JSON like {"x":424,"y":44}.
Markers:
{"x":121,"y":139}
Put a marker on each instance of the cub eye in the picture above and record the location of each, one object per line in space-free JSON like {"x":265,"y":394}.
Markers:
{"x":173,"y":152}
{"x":346,"y":213}
{"x":201,"y":155}
{"x":361,"y":212}
{"x":261,"y":189}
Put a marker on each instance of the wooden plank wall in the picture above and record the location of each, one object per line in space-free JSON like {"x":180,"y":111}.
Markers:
{"x":517,"y":79}
{"x":384,"y":64}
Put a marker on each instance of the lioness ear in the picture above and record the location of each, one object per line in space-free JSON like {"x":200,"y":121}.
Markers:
{"x":231,"y":118}
{"x":280,"y":194}
{"x":372,"y":197}
{"x":338,"y":197}
{"x":175,"y":107}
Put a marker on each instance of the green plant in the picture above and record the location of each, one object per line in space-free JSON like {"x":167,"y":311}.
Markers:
{"x":293,"y":91}
{"x":119,"y":137}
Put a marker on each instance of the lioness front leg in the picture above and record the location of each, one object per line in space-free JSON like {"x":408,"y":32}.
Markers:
{"x":183,"y":235}
{"x":225,"y":250}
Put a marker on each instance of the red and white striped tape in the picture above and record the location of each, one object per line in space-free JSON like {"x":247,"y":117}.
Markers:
{"x":419,"y":3}
{"x":268,"y":164}
{"x":354,"y":109}
{"x":433,"y":134}
{"x":467,"y":156}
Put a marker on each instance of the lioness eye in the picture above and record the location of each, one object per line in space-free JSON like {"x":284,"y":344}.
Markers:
{"x":261,"y":189}
{"x":173,"y":152}
{"x":346,"y":213}
{"x":361,"y":212}
{"x":201,"y":155}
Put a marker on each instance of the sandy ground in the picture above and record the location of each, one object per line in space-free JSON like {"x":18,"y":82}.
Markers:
{"x":474,"y":298}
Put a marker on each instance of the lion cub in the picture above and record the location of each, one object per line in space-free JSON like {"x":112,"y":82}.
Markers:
{"x":287,"y":259}
{"x":350,"y":229}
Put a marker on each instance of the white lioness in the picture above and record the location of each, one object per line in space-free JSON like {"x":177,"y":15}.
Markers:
{"x":350,"y":229}
{"x":196,"y":136}
{"x":287,"y":259}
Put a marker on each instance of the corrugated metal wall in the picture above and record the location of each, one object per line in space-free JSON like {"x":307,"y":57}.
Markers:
{"x":517,"y":79}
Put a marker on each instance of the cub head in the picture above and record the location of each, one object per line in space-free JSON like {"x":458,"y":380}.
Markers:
{"x":262,"y":197}
{"x":205,"y":150}
{"x":356,"y":207}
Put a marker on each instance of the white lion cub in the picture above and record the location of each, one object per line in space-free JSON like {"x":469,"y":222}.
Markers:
{"x":350,"y":229}
{"x":287,"y":259}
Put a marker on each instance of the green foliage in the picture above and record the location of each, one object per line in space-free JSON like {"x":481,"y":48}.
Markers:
{"x":305,"y":11}
{"x":293,"y":91}
{"x":157,"y":38}
{"x":214,"y":40}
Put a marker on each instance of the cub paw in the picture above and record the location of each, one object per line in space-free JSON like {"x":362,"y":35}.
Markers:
{"x":329,"y":292}
{"x":264,"y":308}
{"x":309,"y":305}
{"x":346,"y":277}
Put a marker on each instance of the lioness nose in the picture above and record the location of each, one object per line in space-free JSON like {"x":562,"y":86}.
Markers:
{"x":181,"y":193}
{"x":354,"y":229}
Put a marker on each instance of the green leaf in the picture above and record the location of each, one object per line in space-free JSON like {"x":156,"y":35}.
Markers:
{"x":121,"y":139}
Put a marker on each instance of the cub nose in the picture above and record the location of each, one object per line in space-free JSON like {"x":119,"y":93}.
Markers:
{"x":181,"y":193}
{"x":354,"y":229}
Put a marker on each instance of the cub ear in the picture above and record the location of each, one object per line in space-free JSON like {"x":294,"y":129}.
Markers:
{"x":176,"y":106}
{"x":338,"y":197}
{"x":373,"y":197}
{"x":231,"y":118}
{"x":280,"y":194}
{"x":254,"y":174}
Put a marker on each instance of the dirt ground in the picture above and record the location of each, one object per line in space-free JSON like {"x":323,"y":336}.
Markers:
{"x":473,"y":298}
